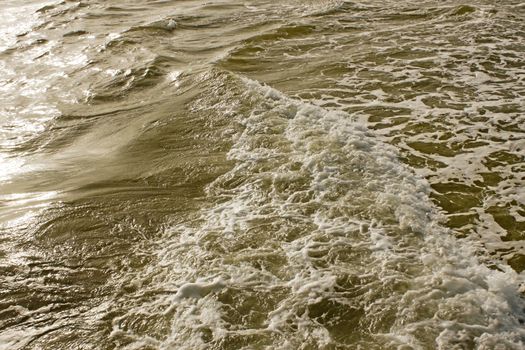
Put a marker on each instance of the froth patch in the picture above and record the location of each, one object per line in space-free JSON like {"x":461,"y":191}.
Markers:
{"x":320,"y":230}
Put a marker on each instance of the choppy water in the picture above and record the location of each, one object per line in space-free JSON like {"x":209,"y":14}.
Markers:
{"x":261,"y":175}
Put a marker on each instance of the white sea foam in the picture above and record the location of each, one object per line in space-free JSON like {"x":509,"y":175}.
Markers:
{"x":318,"y":236}
{"x":321,"y":231}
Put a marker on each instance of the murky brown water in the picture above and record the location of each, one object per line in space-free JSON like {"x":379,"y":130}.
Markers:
{"x":261,"y":175}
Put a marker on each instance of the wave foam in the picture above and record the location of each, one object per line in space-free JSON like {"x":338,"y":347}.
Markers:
{"x":318,"y":236}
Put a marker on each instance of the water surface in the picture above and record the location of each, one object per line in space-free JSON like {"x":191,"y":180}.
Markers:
{"x":260,"y":175}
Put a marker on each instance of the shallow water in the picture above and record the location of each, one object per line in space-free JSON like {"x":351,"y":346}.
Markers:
{"x":261,"y":175}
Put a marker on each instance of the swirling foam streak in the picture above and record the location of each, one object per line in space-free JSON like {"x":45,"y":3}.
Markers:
{"x":319,"y":236}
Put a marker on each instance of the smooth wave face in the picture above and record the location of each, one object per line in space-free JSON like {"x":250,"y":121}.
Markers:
{"x":300,"y":175}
